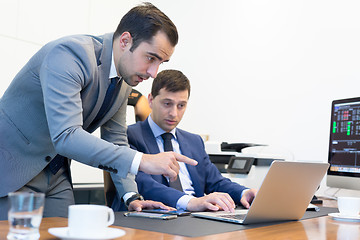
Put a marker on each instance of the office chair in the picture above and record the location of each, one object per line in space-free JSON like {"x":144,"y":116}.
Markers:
{"x":109,"y":189}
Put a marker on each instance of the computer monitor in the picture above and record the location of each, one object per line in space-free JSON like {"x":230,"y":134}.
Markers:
{"x":344,"y":144}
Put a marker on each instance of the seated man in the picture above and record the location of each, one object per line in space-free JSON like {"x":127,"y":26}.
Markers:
{"x":201,"y":187}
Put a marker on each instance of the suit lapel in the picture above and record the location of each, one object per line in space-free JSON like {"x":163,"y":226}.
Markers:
{"x":152,"y":147}
{"x":104,"y":62}
{"x":149,"y":138}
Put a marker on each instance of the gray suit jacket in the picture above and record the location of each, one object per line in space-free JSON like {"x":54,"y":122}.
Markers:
{"x":50,"y":102}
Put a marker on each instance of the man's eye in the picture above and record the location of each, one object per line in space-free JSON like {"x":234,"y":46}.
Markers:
{"x":150,"y":59}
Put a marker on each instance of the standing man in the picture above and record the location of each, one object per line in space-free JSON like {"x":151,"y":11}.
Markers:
{"x":201,"y":187}
{"x":69,"y":88}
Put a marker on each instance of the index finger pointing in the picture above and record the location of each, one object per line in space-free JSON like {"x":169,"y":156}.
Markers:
{"x":184,"y":159}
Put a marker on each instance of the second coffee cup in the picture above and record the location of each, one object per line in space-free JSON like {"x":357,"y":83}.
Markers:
{"x":349,"y":206}
{"x":89,"y":221}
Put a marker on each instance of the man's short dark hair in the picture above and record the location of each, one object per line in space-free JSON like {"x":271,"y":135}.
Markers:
{"x":143,"y":22}
{"x":170,"y":80}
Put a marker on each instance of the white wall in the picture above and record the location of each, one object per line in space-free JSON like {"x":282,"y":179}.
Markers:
{"x":261,"y":71}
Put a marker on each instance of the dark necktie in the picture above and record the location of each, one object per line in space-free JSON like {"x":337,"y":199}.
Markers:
{"x":58,"y":161}
{"x":168,"y":147}
{"x":108,"y":100}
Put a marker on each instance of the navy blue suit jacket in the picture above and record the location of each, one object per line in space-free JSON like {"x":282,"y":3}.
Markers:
{"x":205,"y":176}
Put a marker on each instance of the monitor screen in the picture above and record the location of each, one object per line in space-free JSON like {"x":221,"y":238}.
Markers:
{"x":344,"y":144}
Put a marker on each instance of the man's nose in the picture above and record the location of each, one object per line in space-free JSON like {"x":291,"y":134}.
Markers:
{"x":173,"y":111}
{"x":153,"y":70}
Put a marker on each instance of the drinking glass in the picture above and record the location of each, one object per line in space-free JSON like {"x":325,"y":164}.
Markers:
{"x":25,"y":214}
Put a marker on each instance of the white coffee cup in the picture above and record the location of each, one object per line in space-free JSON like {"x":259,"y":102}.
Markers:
{"x":349,"y":206}
{"x":89,"y":221}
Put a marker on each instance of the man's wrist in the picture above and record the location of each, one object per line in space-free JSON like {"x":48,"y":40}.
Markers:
{"x":183,"y":202}
{"x":243,"y":192}
{"x":135,"y":196}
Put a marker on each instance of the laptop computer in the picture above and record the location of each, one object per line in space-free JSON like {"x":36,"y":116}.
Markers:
{"x":284,"y":194}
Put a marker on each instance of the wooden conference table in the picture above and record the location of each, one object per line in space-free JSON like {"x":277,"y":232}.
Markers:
{"x":315,"y":228}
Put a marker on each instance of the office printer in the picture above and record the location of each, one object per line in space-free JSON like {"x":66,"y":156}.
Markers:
{"x":230,"y":157}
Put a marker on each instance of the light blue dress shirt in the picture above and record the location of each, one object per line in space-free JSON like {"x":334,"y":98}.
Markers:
{"x":184,"y":175}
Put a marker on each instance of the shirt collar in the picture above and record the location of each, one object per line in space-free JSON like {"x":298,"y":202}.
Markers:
{"x":113,"y":72}
{"x":157,"y":131}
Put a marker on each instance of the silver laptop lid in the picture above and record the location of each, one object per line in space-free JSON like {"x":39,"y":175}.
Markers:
{"x":285,"y":193}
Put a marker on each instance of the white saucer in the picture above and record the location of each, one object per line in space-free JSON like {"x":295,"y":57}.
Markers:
{"x":338,"y":216}
{"x":62,"y":233}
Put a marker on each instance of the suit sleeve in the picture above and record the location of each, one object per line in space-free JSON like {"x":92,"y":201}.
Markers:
{"x":62,"y":77}
{"x":151,"y":188}
{"x":114,"y":131}
{"x":215,"y":182}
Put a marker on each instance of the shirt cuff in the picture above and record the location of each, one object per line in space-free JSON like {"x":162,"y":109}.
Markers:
{"x":244,"y":191}
{"x":136,"y":163}
{"x":128,"y":195}
{"x":183,"y":202}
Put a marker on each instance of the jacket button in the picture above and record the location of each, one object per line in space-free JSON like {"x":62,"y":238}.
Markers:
{"x":101,"y":166}
{"x":106,"y":168}
{"x":48,"y":158}
{"x":115,"y":171}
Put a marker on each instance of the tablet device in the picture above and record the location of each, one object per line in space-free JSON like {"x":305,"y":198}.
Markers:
{"x":150,"y":215}
{"x":159,"y":210}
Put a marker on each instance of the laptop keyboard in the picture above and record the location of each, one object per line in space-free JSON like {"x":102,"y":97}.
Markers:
{"x":234,"y":216}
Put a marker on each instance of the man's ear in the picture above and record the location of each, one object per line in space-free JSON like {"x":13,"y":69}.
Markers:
{"x":125,"y":40}
{"x":150,"y":100}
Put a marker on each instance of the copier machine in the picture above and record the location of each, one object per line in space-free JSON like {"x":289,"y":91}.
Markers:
{"x":245,"y":168}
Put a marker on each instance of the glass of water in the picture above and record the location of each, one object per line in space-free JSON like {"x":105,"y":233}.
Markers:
{"x":25,"y":214}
